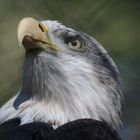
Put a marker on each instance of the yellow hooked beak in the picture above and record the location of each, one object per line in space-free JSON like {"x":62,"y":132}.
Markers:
{"x":33,"y":34}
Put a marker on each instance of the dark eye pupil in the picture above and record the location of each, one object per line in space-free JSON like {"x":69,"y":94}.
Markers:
{"x":74,"y":43}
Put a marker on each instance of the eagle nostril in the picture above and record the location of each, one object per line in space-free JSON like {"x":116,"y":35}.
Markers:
{"x":41,"y":27}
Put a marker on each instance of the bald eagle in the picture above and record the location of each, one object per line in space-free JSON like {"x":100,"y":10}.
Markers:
{"x":67,"y":75}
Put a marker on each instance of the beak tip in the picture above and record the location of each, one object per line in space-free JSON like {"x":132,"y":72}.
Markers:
{"x":25,"y":27}
{"x":31,"y":32}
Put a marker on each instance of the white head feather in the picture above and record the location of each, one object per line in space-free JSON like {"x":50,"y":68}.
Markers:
{"x":66,"y":87}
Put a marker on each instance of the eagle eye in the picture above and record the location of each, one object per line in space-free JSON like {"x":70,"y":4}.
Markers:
{"x":75,"y":44}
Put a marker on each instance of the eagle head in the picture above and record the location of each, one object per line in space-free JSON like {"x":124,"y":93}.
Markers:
{"x":67,"y":75}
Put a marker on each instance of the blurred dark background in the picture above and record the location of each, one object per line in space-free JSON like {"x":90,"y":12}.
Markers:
{"x":114,"y":23}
